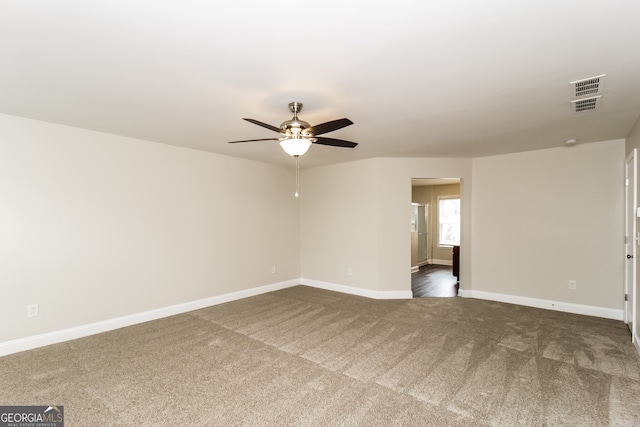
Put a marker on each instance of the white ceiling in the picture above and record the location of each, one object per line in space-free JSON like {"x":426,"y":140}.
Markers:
{"x":418,"y":78}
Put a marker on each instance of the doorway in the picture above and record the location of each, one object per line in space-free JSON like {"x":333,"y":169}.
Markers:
{"x":435,"y":236}
{"x":630,"y":243}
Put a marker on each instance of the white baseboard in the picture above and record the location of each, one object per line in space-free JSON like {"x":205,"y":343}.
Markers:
{"x":636,"y":343}
{"x":441,"y":262}
{"x":588,"y":310}
{"x":415,"y":268}
{"x":357,"y":291}
{"x":55,"y":337}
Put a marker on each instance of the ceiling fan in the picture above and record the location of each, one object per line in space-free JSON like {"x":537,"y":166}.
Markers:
{"x":298,"y":135}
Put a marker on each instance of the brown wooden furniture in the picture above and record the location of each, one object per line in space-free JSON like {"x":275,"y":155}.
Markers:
{"x":456,"y":262}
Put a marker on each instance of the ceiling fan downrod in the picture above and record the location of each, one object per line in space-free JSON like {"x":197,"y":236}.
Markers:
{"x":295,"y":108}
{"x":293,"y":128}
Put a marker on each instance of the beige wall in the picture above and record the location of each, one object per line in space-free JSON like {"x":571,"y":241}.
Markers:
{"x":633,"y":139}
{"x":429,"y":194}
{"x":543,"y":218}
{"x":357,"y":215}
{"x":339,"y":211}
{"x":95,"y":226}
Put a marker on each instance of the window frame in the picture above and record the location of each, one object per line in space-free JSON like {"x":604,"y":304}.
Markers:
{"x":449,"y":197}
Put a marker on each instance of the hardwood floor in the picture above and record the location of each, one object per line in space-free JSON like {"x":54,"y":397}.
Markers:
{"x":434,"y":281}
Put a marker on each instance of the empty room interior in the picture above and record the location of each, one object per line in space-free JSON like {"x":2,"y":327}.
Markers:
{"x":209,"y":213}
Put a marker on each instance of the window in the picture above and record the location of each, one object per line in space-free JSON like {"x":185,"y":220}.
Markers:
{"x":448,"y":221}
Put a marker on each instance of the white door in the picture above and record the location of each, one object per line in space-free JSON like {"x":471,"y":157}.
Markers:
{"x":630,"y":241}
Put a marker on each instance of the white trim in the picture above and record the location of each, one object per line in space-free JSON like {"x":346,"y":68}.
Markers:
{"x":441,"y":262}
{"x":54,"y":337}
{"x":415,"y":268}
{"x":446,"y":197}
{"x":62,"y":335}
{"x":630,"y":307}
{"x":636,"y":343}
{"x":357,"y":291}
{"x":589,"y":310}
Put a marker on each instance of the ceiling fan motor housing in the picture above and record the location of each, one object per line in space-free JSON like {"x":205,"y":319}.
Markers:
{"x":295,"y":127}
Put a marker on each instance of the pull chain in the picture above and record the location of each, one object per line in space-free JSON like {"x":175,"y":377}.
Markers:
{"x":297,"y":176}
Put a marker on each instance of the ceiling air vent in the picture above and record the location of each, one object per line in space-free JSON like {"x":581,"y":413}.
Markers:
{"x":586,"y":87}
{"x":585,"y":104}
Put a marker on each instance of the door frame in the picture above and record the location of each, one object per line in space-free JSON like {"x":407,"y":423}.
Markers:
{"x":631,"y":242}
{"x":432,"y":221}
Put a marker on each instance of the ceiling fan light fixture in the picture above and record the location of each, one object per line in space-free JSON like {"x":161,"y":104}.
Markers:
{"x":297,"y":136}
{"x":295,"y":146}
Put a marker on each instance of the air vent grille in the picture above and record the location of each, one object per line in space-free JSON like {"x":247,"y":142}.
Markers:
{"x":586,"y":104}
{"x":585,"y":87}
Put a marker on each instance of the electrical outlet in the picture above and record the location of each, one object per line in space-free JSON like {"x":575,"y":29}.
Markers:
{"x":32,"y":310}
{"x":572,"y":285}
{"x":273,"y":269}
{"x":350,"y":271}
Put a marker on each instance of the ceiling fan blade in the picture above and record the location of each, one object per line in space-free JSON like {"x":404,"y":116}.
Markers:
{"x":264,"y":125}
{"x":328,"y":126}
{"x":252,"y":140}
{"x":334,"y":142}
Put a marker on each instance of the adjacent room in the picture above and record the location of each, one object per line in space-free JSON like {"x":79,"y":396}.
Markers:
{"x":213,"y":213}
{"x":435,"y":237}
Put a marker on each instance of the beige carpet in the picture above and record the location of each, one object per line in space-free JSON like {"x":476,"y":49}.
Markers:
{"x":308,"y":357}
